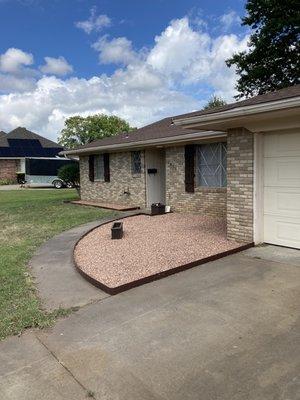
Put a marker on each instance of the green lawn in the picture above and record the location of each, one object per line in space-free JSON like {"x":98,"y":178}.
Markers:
{"x":27,"y":219}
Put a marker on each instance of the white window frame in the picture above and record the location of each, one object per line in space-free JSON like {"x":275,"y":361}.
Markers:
{"x":133,"y":172}
{"x":222,"y":146}
{"x":98,"y":168}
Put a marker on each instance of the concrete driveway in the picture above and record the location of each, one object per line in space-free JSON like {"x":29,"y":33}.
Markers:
{"x":225,"y":330}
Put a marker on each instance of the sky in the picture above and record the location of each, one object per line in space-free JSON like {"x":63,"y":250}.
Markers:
{"x":138,"y":59}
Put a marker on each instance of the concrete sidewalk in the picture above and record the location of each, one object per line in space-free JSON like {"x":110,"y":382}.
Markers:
{"x":227,"y":330}
{"x":18,"y":187}
{"x":57,"y":280}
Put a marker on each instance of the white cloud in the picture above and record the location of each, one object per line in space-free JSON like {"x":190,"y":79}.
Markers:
{"x":57,"y":66}
{"x":14,"y":59}
{"x":10,"y":83}
{"x":183,"y":66}
{"x":190,"y":57}
{"x":45,"y":108}
{"x":14,"y":72}
{"x":115,"y":51}
{"x":177,"y":47}
{"x":94,"y":22}
{"x":228,"y":20}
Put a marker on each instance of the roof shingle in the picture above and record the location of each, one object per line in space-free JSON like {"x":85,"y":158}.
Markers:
{"x":21,"y":142}
{"x":286,"y":93}
{"x":157,"y":130}
{"x":166,"y":128}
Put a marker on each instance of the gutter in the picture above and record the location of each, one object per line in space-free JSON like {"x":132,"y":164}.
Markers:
{"x":147,"y":143}
{"x":239,"y":112}
{"x":35,"y":158}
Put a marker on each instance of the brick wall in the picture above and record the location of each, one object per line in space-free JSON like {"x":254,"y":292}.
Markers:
{"x":8,"y":169}
{"x":240,"y":155}
{"x":209,"y":201}
{"x":121,"y":179}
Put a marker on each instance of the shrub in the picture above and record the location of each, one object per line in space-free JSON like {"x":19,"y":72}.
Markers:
{"x":70,"y":173}
{"x":7,"y":181}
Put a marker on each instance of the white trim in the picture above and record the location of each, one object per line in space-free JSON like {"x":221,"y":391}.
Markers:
{"x":258,"y":192}
{"x":239,"y":112}
{"x":33,"y":158}
{"x":148,"y":143}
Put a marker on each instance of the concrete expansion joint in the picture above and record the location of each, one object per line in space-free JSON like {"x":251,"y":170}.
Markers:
{"x":69,"y":372}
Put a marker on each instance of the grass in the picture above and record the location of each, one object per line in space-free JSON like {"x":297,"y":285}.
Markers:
{"x":27,"y":219}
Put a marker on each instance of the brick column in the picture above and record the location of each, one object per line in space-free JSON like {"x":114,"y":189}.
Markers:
{"x":240,"y":156}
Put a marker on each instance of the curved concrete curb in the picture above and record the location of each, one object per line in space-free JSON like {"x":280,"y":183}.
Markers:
{"x":151,"y":278}
{"x":52,"y":266}
{"x":154,"y":277}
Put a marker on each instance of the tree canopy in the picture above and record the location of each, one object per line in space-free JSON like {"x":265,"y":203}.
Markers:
{"x":214,"y":102}
{"x":272,"y":59}
{"x":81,"y":130}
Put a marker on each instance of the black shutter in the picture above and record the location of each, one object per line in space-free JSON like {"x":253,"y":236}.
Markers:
{"x":91,"y":168}
{"x":106,"y":167}
{"x":189,"y":160}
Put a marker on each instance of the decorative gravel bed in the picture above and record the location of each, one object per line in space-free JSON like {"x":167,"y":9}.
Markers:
{"x":150,"y":245}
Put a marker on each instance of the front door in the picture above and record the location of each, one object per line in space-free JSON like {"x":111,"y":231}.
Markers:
{"x":155,"y":176}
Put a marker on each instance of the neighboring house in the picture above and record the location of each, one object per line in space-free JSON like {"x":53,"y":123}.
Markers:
{"x":240,"y":161}
{"x":22,"y":151}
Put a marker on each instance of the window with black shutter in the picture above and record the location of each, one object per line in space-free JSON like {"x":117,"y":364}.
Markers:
{"x":91,"y":168}
{"x":189,"y":159}
{"x":106,"y":167}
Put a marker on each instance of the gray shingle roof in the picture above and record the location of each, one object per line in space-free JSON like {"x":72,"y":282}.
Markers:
{"x":286,"y":93}
{"x":23,"y":143}
{"x":160,"y":129}
{"x":166,"y":128}
{"x":23,"y":133}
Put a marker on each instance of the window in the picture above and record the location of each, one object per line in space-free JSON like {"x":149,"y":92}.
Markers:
{"x":136,"y":162}
{"x":211,"y":165}
{"x":98,"y":167}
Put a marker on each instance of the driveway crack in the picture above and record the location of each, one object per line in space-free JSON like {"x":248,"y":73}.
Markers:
{"x":88,"y":391}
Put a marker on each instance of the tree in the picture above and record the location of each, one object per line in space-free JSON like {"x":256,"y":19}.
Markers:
{"x":272,"y":60}
{"x":81,"y":130}
{"x":214,"y":102}
{"x":69,"y":173}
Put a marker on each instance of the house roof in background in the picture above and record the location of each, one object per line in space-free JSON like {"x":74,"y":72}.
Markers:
{"x":2,"y":134}
{"x":282,"y":94}
{"x":23,"y":133}
{"x":21,"y":142}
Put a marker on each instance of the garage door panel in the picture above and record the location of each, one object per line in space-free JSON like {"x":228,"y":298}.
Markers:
{"x":282,"y":171}
{"x":284,"y":231}
{"x":282,"y":189}
{"x":282,"y":144}
{"x":284,"y":202}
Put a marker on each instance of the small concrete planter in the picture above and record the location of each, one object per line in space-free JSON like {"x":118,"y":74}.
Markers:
{"x":117,"y":230}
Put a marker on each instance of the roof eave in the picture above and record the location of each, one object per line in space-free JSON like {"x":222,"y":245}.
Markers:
{"x":147,"y":143}
{"x":207,"y":120}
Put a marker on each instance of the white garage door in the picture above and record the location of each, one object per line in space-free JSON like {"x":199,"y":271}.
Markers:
{"x":282,"y":189}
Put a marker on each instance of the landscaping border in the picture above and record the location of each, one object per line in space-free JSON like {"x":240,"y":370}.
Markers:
{"x":138,"y":282}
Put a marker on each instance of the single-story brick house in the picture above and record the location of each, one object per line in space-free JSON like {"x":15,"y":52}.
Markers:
{"x":240,"y":161}
{"x":20,"y":144}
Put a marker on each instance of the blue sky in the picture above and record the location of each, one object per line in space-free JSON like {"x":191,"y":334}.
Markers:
{"x":142,"y":60}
